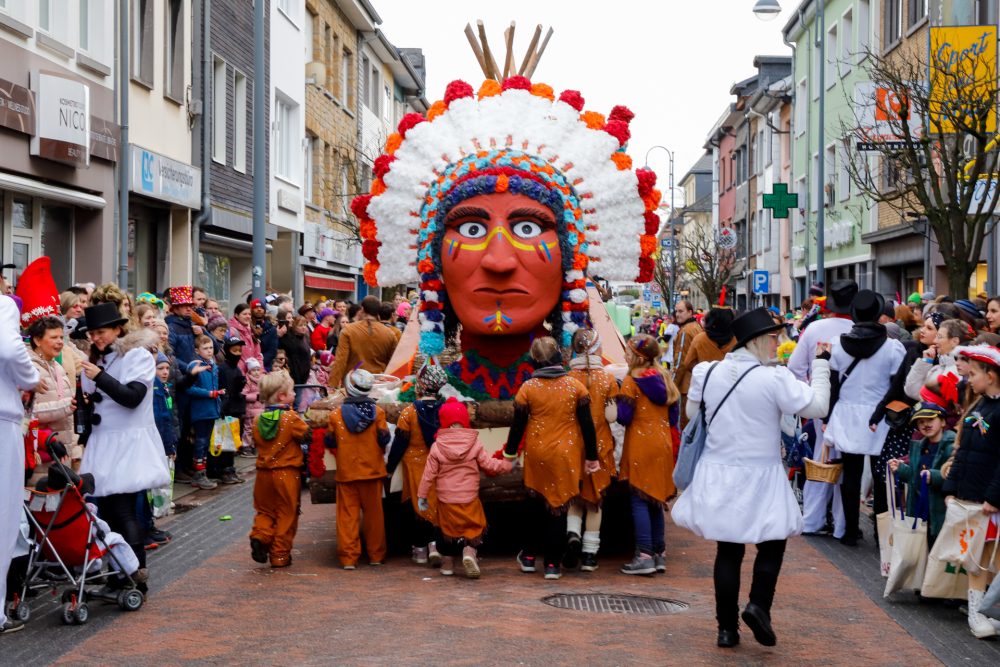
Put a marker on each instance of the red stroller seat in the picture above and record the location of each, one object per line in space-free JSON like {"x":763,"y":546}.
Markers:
{"x":67,"y":526}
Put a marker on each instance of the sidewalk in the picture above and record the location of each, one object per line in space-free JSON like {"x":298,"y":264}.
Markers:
{"x":227,"y":610}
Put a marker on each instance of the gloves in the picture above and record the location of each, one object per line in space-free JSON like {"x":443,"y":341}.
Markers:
{"x":423,"y":505}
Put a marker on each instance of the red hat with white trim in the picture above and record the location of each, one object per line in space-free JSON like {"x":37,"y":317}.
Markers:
{"x":987,"y":354}
{"x":37,"y":289}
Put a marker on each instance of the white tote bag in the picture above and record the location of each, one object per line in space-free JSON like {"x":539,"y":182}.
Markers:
{"x":908,"y":539}
{"x":963,"y":536}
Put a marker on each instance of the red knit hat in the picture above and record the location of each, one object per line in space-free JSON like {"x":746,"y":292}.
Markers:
{"x":453,"y":412}
{"x":38,"y":291}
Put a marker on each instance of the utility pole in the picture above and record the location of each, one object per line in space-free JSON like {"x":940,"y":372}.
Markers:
{"x":124,"y":152}
{"x":259,"y":154}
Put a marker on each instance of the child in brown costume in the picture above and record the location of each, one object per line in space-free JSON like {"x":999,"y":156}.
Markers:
{"x":453,"y":470}
{"x":359,"y":433}
{"x":277,"y":433}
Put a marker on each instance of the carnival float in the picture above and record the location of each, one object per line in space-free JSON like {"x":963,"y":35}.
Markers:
{"x":500,"y":204}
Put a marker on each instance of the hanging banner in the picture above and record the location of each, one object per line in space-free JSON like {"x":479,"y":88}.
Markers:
{"x":963,"y":76}
{"x":881,"y":115}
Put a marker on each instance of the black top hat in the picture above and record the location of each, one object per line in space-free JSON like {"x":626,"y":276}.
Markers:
{"x":842,"y":293}
{"x":749,"y":325}
{"x":868,"y":306}
{"x":103,"y":315}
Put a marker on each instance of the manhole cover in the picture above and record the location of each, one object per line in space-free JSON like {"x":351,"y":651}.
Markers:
{"x":604,"y":603}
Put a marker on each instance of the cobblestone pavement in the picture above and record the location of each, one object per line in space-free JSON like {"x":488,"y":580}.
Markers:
{"x":211,"y":605}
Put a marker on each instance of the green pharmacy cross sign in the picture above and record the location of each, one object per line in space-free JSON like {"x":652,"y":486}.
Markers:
{"x":780,"y":201}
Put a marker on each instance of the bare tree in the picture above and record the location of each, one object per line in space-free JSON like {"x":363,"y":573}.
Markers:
{"x":707,"y":265}
{"x":932,"y":148}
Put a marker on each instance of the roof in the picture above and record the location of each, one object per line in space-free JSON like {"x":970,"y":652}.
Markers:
{"x":702,"y":166}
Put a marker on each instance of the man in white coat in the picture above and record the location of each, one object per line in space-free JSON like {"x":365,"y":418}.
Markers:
{"x":17,"y":374}
{"x":816,"y":496}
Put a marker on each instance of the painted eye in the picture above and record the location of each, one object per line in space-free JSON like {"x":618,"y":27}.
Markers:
{"x":526,"y":229}
{"x":472,"y":230}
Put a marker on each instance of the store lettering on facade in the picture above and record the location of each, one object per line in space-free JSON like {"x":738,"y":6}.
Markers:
{"x":62,"y":128}
{"x":160,"y":177}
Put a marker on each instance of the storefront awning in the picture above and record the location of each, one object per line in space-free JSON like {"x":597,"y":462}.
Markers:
{"x":30,"y":186}
{"x":328,"y":283}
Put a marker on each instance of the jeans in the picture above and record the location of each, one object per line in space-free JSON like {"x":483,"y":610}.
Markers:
{"x":647,"y":518}
{"x":766,"y":567}
{"x":202,"y":441}
{"x":119,"y":510}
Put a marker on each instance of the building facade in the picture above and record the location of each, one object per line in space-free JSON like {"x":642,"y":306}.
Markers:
{"x":58,"y":137}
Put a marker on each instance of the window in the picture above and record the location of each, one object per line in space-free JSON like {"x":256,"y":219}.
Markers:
{"x":986,"y":12}
{"x":917,"y":10}
{"x":284,"y":138}
{"x":830,"y":177}
{"x":173,"y":51}
{"x":832,"y":54}
{"x":893,"y":21}
{"x":814,"y":74}
{"x":240,"y":122}
{"x":864,"y":27}
{"x":346,"y":65}
{"x":287,"y":7}
{"x":214,"y":275}
{"x":142,"y":42}
{"x":44,"y":15}
{"x":219,"y":111}
{"x":815,"y":186}
{"x":847,"y":40}
{"x":800,"y":189}
{"x":84,"y":22}
{"x":307,"y":176}
{"x":387,"y":105}
{"x":366,"y":81}
{"x":801,"y":107}
{"x":843,"y":175}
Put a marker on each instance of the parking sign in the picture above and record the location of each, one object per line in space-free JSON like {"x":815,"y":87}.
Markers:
{"x":760,"y":282}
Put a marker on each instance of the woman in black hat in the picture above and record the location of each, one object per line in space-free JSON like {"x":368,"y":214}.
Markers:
{"x":739,"y":494}
{"x":124,"y":452}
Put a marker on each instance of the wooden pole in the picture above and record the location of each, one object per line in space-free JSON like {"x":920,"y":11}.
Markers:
{"x":508,"y":65}
{"x":538,"y":55}
{"x":491,"y":63}
{"x":478,"y":52}
{"x":531,"y":50}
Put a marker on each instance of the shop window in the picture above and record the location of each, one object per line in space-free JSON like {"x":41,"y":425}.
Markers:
{"x":35,"y":229}
{"x":214,"y":273}
{"x":57,"y":241}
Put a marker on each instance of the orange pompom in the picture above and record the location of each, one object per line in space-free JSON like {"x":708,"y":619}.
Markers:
{"x":543,"y":90}
{"x":367,"y":229}
{"x":652,"y":200}
{"x":622,"y":161}
{"x":378,"y":187}
{"x":490,"y":88}
{"x":580,"y":262}
{"x":502,"y":183}
{"x":594,"y":120}
{"x":370,"y":270}
{"x":425,"y":266}
{"x":393,"y":142}
{"x":647,"y":244}
{"x":436,"y":109}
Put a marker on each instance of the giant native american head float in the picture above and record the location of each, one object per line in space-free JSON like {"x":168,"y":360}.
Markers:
{"x":498,"y":204}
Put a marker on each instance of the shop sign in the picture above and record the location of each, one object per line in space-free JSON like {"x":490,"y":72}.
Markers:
{"x":62,"y":123}
{"x":963,"y":75}
{"x":17,"y":107}
{"x":105,"y":138}
{"x":160,"y":177}
{"x":881,"y":115}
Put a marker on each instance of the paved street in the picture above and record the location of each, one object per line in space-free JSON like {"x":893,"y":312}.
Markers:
{"x":210,"y":604}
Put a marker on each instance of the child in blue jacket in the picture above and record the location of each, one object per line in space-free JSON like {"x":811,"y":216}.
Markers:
{"x":164,"y":412}
{"x":205,"y":407}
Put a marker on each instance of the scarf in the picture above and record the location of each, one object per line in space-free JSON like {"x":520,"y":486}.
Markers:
{"x":358,"y":412}
{"x":590,"y":361}
{"x":549,"y":372}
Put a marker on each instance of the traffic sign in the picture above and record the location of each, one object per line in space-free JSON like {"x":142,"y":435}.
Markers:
{"x":727,"y":238}
{"x":656,"y":301}
{"x":666,"y":242}
{"x":760,"y":282}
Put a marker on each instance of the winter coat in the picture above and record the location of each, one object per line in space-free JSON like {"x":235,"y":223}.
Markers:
{"x":53,"y":408}
{"x":251,"y":348}
{"x":232,"y":380}
{"x":921,"y":373}
{"x":268,"y":339}
{"x":453,"y":466}
{"x":367,"y":342}
{"x":181,"y":338}
{"x":910,"y":473}
{"x":318,"y":337}
{"x":975,"y":470}
{"x":299,"y":355}
{"x":165,"y":415}
{"x":681,"y":344}
{"x":202,"y":395}
{"x":702,"y":348}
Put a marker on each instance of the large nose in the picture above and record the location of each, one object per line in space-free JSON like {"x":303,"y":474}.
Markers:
{"x":499,"y":256}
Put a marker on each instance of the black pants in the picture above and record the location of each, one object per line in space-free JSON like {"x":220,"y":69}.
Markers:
{"x":448,"y":546}
{"x":766,"y":567}
{"x":547,"y":535}
{"x":119,"y":510}
{"x":850,"y":490}
{"x":421,"y":531}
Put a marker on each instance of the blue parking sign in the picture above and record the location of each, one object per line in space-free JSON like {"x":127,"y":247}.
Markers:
{"x":761,"y":280}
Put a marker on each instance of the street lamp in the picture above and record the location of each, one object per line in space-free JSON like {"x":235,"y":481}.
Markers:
{"x":673,"y":241}
{"x":768,"y":9}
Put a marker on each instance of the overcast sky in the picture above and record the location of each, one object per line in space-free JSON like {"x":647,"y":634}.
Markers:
{"x":671,"y":61}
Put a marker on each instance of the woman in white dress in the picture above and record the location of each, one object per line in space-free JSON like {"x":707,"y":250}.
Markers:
{"x":124,"y":452}
{"x":740,"y":493}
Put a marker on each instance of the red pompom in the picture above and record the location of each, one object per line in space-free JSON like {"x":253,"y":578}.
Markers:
{"x":317,"y":448}
{"x":369,"y":249}
{"x":359,"y":205}
{"x":622,"y":113}
{"x":647,"y":180}
{"x":652,"y":223}
{"x":518,"y":82}
{"x":381,"y":167}
{"x":619,"y":130}
{"x":456,"y":90}
{"x":572,"y":98}
{"x":409,"y":121}
{"x":645,"y":269}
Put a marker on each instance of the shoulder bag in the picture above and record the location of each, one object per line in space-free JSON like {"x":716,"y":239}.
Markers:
{"x":695,"y":433}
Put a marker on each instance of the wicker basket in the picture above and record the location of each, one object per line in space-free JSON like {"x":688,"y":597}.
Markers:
{"x":821,"y":471}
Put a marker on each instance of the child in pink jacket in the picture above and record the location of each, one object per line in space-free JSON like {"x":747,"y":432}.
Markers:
{"x":251,"y":392}
{"x":453,"y":465}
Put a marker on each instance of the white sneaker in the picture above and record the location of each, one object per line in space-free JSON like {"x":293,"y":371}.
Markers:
{"x":978,"y":623}
{"x":420,"y":555}
{"x":433,"y":555}
{"x":470,"y":563}
{"x":447,"y":566}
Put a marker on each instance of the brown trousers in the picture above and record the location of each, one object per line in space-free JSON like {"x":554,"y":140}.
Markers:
{"x":359,"y":510}
{"x":276,"y":496}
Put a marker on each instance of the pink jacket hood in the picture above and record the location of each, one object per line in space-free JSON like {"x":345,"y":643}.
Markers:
{"x":454,"y":463}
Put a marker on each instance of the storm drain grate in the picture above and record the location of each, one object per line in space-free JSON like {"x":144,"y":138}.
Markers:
{"x":604,"y":603}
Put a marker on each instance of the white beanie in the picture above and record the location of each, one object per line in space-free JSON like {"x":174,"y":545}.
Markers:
{"x":253,"y":364}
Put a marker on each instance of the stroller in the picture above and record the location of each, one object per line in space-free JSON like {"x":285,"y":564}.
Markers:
{"x":65,"y":548}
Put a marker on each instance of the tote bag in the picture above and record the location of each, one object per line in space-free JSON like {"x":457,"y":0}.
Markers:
{"x":943,"y":580}
{"x":963,"y":536}
{"x":883,"y":521}
{"x":161,"y":497}
{"x":225,"y":436}
{"x":908,"y":539}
